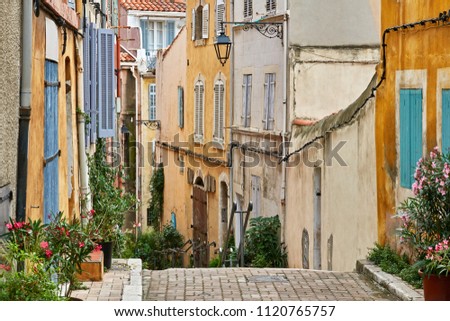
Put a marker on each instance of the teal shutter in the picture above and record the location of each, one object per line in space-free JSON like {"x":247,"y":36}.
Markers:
{"x":51,"y":146}
{"x":446,"y":120}
{"x":106,"y":82}
{"x":180,"y":107}
{"x":410,"y":134}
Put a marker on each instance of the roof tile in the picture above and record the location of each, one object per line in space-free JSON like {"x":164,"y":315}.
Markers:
{"x":155,"y":5}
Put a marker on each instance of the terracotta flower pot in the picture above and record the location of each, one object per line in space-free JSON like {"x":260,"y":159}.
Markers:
{"x":436,"y":287}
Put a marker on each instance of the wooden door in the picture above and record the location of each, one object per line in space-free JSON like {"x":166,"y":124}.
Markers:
{"x":200,"y":226}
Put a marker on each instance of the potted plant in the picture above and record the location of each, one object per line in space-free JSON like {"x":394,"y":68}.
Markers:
{"x":425,"y":220}
{"x":109,"y":202}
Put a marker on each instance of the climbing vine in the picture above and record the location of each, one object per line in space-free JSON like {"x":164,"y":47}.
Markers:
{"x":156,"y":202}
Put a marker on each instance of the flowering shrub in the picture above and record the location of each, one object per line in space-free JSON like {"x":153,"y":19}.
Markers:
{"x":58,"y":248}
{"x":425,"y":218}
{"x":437,"y":259}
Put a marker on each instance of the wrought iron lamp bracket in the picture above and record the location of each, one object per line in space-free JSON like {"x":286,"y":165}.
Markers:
{"x":151,"y":124}
{"x":267,"y":29}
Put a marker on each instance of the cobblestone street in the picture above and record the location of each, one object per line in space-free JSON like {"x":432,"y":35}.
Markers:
{"x":245,"y":284}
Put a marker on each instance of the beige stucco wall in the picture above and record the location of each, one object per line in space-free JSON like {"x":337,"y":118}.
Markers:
{"x":348,"y":197}
{"x":10,"y":53}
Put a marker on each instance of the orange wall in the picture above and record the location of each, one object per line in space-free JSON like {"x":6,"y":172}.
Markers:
{"x":421,"y":48}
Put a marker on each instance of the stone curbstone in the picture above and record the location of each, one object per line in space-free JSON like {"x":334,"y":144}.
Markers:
{"x":392,"y":283}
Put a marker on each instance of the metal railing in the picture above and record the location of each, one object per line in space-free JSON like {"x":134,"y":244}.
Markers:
{"x":151,"y":58}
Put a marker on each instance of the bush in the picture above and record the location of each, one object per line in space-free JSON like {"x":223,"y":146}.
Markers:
{"x":154,"y":248}
{"x":263,"y":246}
{"x":391,"y":262}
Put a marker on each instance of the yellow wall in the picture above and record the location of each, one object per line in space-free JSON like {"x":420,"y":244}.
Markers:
{"x":421,"y":48}
{"x":35,"y":183}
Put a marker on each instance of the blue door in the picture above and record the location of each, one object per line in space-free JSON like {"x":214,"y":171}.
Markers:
{"x":51,"y":148}
{"x":446,"y":120}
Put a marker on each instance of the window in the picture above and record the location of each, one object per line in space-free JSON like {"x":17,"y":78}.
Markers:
{"x":246,"y":100}
{"x":271,"y":5}
{"x":199,"y":108}
{"x":248,"y":8}
{"x":200,"y":22}
{"x":71,"y":4}
{"x":106,"y":82}
{"x":156,"y":35}
{"x":220,"y":16}
{"x":445,"y":120}
{"x":269,"y":100}
{"x":180,"y":107}
{"x":90,"y":73}
{"x":152,"y":101}
{"x":410,"y":133}
{"x":219,"y":110}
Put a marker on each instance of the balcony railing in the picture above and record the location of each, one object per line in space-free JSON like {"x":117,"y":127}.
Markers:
{"x":151,"y":58}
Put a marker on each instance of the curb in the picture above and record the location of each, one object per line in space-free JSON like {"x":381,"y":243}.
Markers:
{"x":133,"y":291}
{"x":392,"y":283}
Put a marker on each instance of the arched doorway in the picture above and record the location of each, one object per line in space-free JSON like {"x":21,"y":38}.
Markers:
{"x":200,"y":225}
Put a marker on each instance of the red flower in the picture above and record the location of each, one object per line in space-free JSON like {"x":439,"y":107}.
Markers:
{"x":81,"y":244}
{"x":97,"y":248}
{"x":5,"y":267}
{"x":92,"y":212}
{"x":48,"y":253}
{"x":9,"y":227}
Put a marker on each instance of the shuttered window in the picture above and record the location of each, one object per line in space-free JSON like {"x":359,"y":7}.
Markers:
{"x":220,"y":16}
{"x":152,"y":101}
{"x":180,"y":107}
{"x":193,"y":21}
{"x":271,"y":5}
{"x":199,"y":109}
{"x":219,"y":111}
{"x":205,"y":22}
{"x":446,"y":120}
{"x":51,"y":143}
{"x":170,"y":32}
{"x":410,"y":134}
{"x":248,"y":8}
{"x":269,"y":101}
{"x":246,"y":100}
{"x":106,"y":78}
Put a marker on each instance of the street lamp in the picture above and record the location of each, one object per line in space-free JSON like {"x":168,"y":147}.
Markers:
{"x":222,"y":45}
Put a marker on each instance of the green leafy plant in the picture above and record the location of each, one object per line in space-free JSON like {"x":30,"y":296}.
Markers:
{"x":109,"y":202}
{"x":158,"y":249}
{"x":263,"y":246}
{"x":391,"y":262}
{"x":437,"y":259}
{"x":157,"y":200}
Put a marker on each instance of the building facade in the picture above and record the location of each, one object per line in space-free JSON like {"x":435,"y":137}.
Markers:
{"x":412,"y":101}
{"x":10,"y":22}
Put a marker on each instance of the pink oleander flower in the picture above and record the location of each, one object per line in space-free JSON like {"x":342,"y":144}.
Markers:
{"x":48,"y":253}
{"x":97,"y":248}
{"x":9,"y":226}
{"x":44,"y":245}
{"x":5,"y":267}
{"x":81,"y":244}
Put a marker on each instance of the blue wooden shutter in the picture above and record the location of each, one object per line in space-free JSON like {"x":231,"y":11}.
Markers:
{"x":410,"y":134}
{"x":144,"y":33}
{"x":51,"y":148}
{"x":170,"y":32}
{"x":106,"y":77}
{"x":445,"y":120}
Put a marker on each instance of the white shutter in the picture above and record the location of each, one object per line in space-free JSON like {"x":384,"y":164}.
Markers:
{"x":205,"y":22}
{"x":196,"y":108}
{"x":201,"y":109}
{"x":246,"y":99}
{"x":248,"y":8}
{"x":221,"y":110}
{"x":220,"y":16}
{"x":266,"y":101}
{"x":271,"y":101}
{"x":216,"y":110}
{"x":193,"y":24}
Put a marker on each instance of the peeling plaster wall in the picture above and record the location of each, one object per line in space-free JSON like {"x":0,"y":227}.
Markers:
{"x":10,"y":54}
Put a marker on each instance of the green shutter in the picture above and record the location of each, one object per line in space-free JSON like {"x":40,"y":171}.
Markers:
{"x":445,"y":120}
{"x":410,"y":134}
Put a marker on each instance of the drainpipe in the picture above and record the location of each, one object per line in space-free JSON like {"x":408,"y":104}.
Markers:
{"x":285,"y":115}
{"x":137,"y":119}
{"x":25,"y":110}
{"x":231,"y":189}
{"x":84,"y":173}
